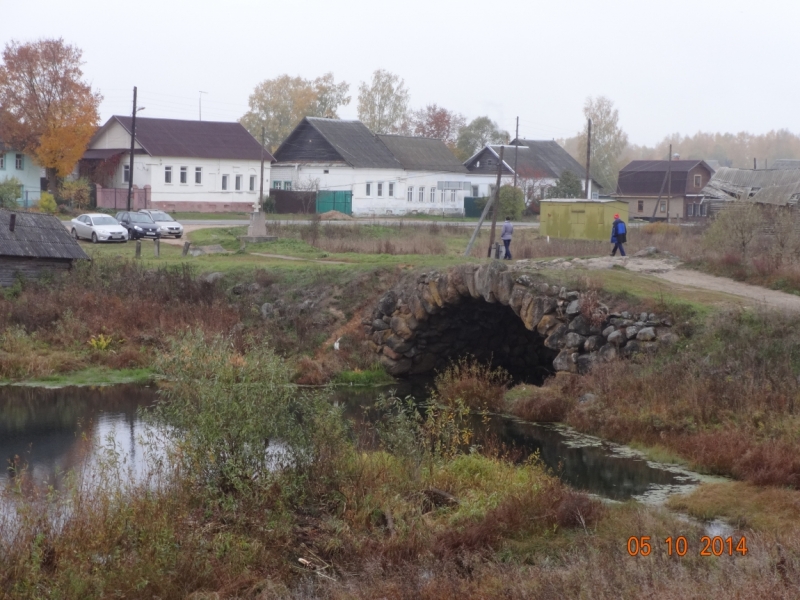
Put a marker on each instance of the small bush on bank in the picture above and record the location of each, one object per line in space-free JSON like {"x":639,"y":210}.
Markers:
{"x":478,"y":386}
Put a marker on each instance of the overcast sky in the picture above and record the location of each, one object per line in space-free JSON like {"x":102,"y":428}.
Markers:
{"x":669,"y":66}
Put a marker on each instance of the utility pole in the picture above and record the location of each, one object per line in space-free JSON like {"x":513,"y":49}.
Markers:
{"x":516,"y":151}
{"x":261,"y":189}
{"x":200,"y":105}
{"x":133,"y":147}
{"x":588,"y":158}
{"x":496,"y":201}
{"x":755,"y":164}
{"x":485,"y":212}
{"x":669,"y":180}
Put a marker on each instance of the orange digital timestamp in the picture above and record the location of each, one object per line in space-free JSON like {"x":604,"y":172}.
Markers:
{"x":711,"y":546}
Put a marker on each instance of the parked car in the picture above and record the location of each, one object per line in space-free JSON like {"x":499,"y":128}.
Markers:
{"x":139,"y":225}
{"x":98,"y":228}
{"x":166,"y":224}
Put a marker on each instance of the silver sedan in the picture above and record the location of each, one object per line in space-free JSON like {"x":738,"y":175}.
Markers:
{"x":98,"y":228}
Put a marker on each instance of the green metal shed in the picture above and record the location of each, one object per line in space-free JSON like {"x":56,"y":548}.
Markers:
{"x":580,"y":219}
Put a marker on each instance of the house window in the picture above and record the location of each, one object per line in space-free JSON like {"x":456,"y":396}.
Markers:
{"x":391,"y":190}
{"x":640,"y":205}
{"x":422,"y":194}
{"x":478,"y":164}
{"x":2,"y":161}
{"x":703,"y":209}
{"x":198,"y":175}
{"x":698,"y":179}
{"x":287,"y":185}
{"x":663,"y":207}
{"x":19,"y":163}
{"x":690,"y":210}
{"x":380,"y":189}
{"x":237,"y":183}
{"x":474,"y":191}
{"x":126,"y":174}
{"x":184,"y":174}
{"x":453,"y":195}
{"x":276,"y":185}
{"x":325,"y":171}
{"x":410,"y":193}
{"x":167,"y":174}
{"x":252,"y":183}
{"x":433,"y":195}
{"x":224,"y":182}
{"x":441,"y":196}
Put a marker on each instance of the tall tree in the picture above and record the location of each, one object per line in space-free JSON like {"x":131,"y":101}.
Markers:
{"x":437,"y":122}
{"x":383,"y":103}
{"x":278,"y":104}
{"x":608,"y":141}
{"x":46,"y":109}
{"x":567,"y":186}
{"x":477,"y":134}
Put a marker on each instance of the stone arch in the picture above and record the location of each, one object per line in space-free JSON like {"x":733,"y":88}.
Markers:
{"x":523,"y":323}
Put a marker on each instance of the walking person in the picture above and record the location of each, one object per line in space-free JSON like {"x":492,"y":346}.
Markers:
{"x":619,"y":235}
{"x":505,"y":235}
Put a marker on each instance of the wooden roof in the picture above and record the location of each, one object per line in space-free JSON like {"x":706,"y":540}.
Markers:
{"x":37,"y":236}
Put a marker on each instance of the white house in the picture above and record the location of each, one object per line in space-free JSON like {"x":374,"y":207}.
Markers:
{"x":381,"y":174}
{"x":20,"y":167}
{"x":539,"y":164}
{"x":182,"y":165}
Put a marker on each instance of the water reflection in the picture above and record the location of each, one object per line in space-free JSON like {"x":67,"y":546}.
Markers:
{"x":48,"y":432}
{"x":53,"y":431}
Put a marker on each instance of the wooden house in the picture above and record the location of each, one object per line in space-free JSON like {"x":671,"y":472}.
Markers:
{"x":660,"y":189}
{"x":33,"y":244}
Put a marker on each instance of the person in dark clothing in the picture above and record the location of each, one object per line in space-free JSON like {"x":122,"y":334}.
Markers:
{"x":505,"y":235}
{"x":619,"y":235}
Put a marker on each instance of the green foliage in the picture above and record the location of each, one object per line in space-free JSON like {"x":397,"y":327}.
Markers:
{"x":235,"y":417}
{"x":47,"y":203}
{"x":76,"y":193}
{"x":10,"y":192}
{"x":512,"y":203}
{"x":477,"y":134}
{"x":568,"y":186}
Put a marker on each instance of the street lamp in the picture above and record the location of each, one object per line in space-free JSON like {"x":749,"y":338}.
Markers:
{"x":133,"y":144}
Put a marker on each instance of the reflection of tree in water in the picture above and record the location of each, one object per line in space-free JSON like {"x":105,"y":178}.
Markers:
{"x":48,"y":431}
{"x":590,"y":468}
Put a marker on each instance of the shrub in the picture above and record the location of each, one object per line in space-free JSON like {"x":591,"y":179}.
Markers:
{"x":47,"y":204}
{"x":76,"y":193}
{"x":661,"y":229}
{"x":10,"y":192}
{"x":476,"y":385}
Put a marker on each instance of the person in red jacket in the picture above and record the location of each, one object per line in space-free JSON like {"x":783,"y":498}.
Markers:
{"x":619,"y":235}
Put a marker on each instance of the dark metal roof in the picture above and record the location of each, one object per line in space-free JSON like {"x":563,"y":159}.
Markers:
{"x":103,"y":154}
{"x":355,"y":143}
{"x":422,"y":154}
{"x":646,"y":177}
{"x":192,"y":139}
{"x":536,"y":159}
{"x":786,"y":164}
{"x":37,"y":236}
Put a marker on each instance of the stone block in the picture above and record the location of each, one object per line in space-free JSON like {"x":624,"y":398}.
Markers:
{"x":574,"y":340}
{"x":585,"y":362}
{"x":566,"y":361}
{"x":391,"y":353}
{"x":630,"y":332}
{"x":546,"y":325}
{"x":379,"y":325}
{"x":594,"y":342}
{"x":396,"y":367}
{"x":607,"y":353}
{"x":580,"y":325}
{"x":617,"y":338}
{"x":555,"y":341}
{"x":648,"y":334}
{"x":573,"y":308}
{"x":401,"y":327}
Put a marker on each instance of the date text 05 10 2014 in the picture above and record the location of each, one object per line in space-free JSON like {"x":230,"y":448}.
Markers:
{"x":709,"y":546}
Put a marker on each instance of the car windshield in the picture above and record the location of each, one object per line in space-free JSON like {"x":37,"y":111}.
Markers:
{"x":140,"y":218}
{"x":160,"y":216}
{"x":104,"y":221}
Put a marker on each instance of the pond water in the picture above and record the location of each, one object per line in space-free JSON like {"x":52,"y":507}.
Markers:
{"x":50,"y":431}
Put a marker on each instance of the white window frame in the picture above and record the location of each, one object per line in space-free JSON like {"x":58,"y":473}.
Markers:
{"x":276,"y":185}
{"x":224,"y":183}
{"x":453,"y":194}
{"x":698,"y":181}
{"x":168,"y":175}
{"x":380,"y":189}
{"x":126,"y":173}
{"x":663,"y":207}
{"x":287,"y":185}
{"x":422,"y":193}
{"x":368,"y":189}
{"x":252,"y":183}
{"x":237,"y":183}
{"x":391,"y":189}
{"x":703,"y":209}
{"x":441,"y":196}
{"x":184,"y":175}
{"x":198,"y":175}
{"x":410,"y":193}
{"x":475,"y":192}
{"x":19,"y":162}
{"x":433,"y":195}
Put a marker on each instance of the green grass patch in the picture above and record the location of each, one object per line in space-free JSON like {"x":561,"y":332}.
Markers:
{"x":91,"y":376}
{"x":375,"y":376}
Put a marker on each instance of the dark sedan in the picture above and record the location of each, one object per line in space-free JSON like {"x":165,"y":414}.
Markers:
{"x":139,"y":225}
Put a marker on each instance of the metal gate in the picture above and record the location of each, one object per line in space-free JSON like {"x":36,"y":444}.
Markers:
{"x":341,"y":201}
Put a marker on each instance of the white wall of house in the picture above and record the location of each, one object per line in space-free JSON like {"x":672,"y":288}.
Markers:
{"x":217,"y":185}
{"x":485,"y":184}
{"x":379,"y":191}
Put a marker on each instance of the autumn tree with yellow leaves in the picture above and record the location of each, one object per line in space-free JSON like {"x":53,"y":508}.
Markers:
{"x":47,"y":110}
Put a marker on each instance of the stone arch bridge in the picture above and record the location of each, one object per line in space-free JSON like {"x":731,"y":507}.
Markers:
{"x":506,"y":316}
